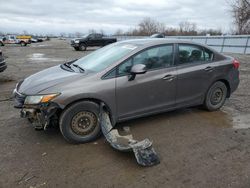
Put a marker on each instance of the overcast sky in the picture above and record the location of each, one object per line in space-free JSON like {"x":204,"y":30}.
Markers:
{"x":56,"y":16}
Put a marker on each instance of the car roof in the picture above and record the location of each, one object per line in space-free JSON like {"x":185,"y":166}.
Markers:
{"x":147,"y":42}
{"x":155,"y":41}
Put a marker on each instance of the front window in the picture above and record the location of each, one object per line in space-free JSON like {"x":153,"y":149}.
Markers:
{"x":104,"y":57}
{"x":153,"y":58}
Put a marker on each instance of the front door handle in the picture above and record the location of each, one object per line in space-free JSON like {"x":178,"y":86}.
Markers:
{"x":169,"y":77}
{"x":209,"y":69}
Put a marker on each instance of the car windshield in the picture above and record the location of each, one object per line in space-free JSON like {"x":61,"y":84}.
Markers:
{"x":85,"y":36}
{"x":104,"y":57}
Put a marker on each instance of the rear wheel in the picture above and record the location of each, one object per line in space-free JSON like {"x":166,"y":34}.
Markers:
{"x":216,"y":96}
{"x":76,"y":48}
{"x":80,"y":122}
{"x":1,"y":44}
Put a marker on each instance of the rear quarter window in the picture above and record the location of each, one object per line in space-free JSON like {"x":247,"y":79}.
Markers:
{"x":191,"y":53}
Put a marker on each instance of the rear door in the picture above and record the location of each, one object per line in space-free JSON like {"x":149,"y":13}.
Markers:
{"x":99,"y":40}
{"x":150,"y":92}
{"x":195,"y":73}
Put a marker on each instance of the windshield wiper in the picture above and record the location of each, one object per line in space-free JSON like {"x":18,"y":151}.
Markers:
{"x":80,"y":68}
{"x":67,"y":64}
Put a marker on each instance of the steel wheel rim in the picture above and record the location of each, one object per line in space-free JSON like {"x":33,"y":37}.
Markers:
{"x":84,"y":123}
{"x":217,"y":96}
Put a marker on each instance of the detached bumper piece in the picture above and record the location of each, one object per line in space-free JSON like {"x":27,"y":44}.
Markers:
{"x":143,"y":150}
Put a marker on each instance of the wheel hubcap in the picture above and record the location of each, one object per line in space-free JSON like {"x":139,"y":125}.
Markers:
{"x":83,"y":123}
{"x":217,"y":96}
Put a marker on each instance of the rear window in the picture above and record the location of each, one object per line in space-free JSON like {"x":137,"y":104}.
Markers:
{"x":189,"y":53}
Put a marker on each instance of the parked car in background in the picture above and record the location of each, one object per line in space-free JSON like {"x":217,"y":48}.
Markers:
{"x":22,"y":40}
{"x":3,"y":65}
{"x":132,"y":79}
{"x":157,"y":35}
{"x":33,"y":40}
{"x":94,"y":39}
{"x":36,"y":39}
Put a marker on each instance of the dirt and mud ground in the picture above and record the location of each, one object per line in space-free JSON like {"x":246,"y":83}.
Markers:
{"x":197,"y":148}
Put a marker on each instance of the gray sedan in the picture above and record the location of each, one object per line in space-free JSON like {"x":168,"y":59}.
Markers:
{"x":130,"y":79}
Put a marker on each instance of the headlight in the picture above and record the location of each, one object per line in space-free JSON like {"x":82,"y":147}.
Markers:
{"x":77,"y":41}
{"x":36,"y":99}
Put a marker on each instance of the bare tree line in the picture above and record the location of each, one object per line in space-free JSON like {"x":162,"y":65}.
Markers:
{"x":240,"y":10}
{"x":149,"y":26}
{"x":241,"y":16}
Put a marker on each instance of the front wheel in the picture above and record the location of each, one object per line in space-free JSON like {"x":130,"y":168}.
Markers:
{"x":82,"y":47}
{"x":216,"y":96}
{"x":79,"y":123}
{"x":23,"y":44}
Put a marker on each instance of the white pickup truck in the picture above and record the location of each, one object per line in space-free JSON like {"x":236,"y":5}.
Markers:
{"x":22,"y":40}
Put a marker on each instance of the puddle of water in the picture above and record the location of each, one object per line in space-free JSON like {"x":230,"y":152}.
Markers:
{"x":239,"y":119}
{"x":41,"y":57}
{"x":42,"y":45}
{"x":37,"y":57}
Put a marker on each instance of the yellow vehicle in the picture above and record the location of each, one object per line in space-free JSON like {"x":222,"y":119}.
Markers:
{"x":23,"y":40}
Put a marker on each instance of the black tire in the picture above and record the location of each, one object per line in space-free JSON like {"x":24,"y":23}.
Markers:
{"x":216,"y":96}
{"x":1,"y":44}
{"x":82,"y":47}
{"x":79,"y":123}
{"x":76,"y":48}
{"x":23,"y":44}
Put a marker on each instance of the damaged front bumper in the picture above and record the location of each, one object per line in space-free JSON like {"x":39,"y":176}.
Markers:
{"x":40,"y":115}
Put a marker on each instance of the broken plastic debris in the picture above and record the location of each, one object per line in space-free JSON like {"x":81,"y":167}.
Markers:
{"x":143,"y":150}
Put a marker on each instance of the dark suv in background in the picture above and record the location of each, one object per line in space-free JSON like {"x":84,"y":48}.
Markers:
{"x":94,"y":39}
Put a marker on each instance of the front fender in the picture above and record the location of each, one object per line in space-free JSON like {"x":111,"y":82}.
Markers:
{"x":63,"y":102}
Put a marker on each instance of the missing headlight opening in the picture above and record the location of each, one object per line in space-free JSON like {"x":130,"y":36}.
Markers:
{"x":144,"y":152}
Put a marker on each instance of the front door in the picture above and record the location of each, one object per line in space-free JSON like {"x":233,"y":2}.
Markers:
{"x":150,"y":92}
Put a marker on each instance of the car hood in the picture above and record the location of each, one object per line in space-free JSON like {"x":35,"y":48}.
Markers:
{"x":45,"y":79}
{"x":83,"y":38}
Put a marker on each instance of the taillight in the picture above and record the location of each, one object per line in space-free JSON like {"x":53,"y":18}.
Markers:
{"x":236,"y":64}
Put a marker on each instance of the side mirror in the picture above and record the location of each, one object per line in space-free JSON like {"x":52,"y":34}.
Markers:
{"x":137,"y":69}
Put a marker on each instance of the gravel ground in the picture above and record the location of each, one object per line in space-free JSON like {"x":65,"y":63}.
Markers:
{"x":197,"y":148}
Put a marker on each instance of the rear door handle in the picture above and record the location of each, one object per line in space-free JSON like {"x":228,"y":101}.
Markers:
{"x":209,"y":69}
{"x":169,"y":77}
